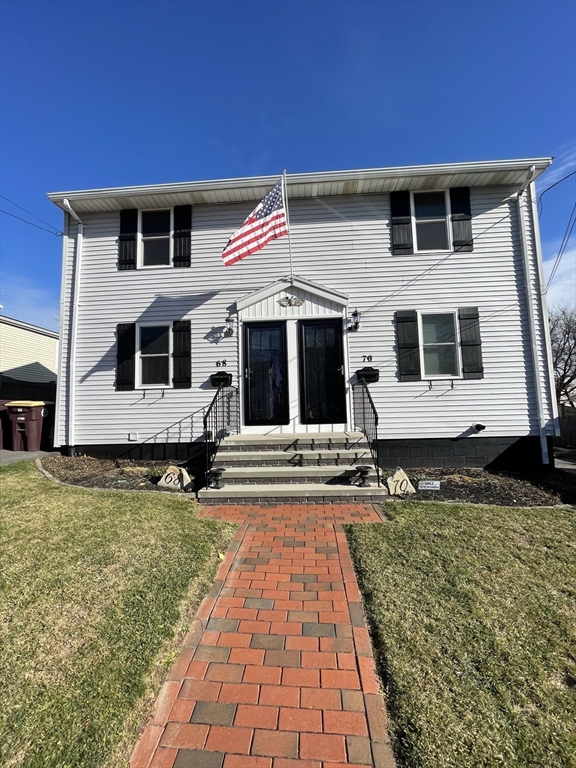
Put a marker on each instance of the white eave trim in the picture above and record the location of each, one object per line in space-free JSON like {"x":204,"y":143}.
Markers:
{"x":28,"y":327}
{"x":285,"y":284}
{"x":309,"y":180}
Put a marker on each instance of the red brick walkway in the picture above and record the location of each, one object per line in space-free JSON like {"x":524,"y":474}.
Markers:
{"x":277,"y":669}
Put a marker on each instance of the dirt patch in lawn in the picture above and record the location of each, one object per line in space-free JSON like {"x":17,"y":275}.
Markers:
{"x":478,"y":486}
{"x":124,"y":475}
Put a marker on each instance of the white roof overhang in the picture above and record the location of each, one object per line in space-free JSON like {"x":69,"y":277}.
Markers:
{"x":301,"y":185}
{"x":288,"y":284}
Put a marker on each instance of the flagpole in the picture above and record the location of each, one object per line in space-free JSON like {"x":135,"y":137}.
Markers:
{"x":288,"y":224}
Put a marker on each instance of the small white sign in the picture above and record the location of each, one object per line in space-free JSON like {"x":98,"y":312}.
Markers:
{"x":429,"y":485}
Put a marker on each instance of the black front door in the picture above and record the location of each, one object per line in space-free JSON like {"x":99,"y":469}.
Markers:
{"x":322,"y":381}
{"x":266,"y":374}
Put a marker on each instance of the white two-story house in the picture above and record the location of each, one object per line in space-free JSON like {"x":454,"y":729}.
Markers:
{"x":430,"y":276}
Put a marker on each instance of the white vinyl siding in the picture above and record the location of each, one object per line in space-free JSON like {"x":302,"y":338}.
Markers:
{"x":343,"y":243}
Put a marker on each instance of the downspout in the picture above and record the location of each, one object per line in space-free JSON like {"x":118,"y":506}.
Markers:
{"x":71,"y":441}
{"x":59,"y":438}
{"x":531,"y":320}
{"x":542,"y":291}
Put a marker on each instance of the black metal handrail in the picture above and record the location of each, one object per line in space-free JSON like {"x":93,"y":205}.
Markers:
{"x":220,"y":420}
{"x":366,"y":419}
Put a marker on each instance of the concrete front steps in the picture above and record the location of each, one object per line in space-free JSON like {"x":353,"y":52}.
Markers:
{"x":299,"y":468}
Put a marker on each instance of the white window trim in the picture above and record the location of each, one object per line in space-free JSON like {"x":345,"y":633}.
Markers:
{"x":448,"y":222}
{"x":140,"y":247}
{"x":437,"y":377}
{"x":138,"y":357}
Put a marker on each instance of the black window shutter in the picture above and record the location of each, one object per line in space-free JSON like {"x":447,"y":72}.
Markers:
{"x":471,"y":343}
{"x":401,"y":223}
{"x":128,"y":239}
{"x":182,"y":235}
{"x":181,"y":378}
{"x":125,"y":349}
{"x":461,"y":219}
{"x":408,"y":345}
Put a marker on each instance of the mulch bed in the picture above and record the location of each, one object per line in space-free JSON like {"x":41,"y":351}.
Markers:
{"x":105,"y":473}
{"x":476,"y":486}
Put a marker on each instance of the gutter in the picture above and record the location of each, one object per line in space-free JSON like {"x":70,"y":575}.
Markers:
{"x":295,"y":179}
{"x":71,"y":435}
{"x":531,"y":319}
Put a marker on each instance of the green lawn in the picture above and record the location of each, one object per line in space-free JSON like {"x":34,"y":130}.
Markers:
{"x":473,"y":615}
{"x":95,"y":587}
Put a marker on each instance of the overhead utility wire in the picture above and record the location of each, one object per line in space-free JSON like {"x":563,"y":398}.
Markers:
{"x":541,"y":195}
{"x":57,"y":234}
{"x":29,"y":212}
{"x":563,"y":244}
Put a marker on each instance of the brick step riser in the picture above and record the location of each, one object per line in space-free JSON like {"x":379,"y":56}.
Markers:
{"x":223,"y":447}
{"x":297,"y":479}
{"x":221,"y":461}
{"x":302,"y":499}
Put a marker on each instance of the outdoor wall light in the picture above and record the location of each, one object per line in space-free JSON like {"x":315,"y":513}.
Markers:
{"x":229,"y":326}
{"x":355,"y":324}
{"x":291,"y":301}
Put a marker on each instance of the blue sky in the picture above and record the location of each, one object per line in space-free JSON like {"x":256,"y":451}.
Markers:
{"x":101,"y":94}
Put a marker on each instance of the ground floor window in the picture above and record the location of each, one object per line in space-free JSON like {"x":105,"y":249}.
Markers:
{"x":154,"y":355}
{"x":439,"y":348}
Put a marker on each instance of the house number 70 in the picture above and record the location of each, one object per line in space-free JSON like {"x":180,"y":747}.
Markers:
{"x":366,"y":358}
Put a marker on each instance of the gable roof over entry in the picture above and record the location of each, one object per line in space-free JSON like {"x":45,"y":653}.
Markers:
{"x":287,"y":284}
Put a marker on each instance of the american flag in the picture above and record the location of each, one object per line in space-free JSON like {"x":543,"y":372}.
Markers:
{"x":266,"y":222}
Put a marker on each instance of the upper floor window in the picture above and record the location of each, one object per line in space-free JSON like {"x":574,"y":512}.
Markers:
{"x":155,"y":243}
{"x":430,"y":213}
{"x":428,"y":222}
{"x":161,"y":237}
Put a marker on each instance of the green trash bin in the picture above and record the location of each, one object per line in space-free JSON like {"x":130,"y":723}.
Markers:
{"x":27,"y":417}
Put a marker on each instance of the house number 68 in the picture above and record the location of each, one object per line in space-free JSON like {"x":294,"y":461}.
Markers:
{"x":221,"y":363}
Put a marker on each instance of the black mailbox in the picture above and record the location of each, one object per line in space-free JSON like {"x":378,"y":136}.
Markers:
{"x":370,"y":375}
{"x":222,"y":377}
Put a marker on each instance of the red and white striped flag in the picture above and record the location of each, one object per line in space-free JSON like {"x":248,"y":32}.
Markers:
{"x":266,"y":222}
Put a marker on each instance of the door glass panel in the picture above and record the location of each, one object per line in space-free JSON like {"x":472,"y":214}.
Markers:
{"x":267,"y":401}
{"x":323,"y":399}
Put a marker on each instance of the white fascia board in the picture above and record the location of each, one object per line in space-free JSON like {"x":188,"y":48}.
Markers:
{"x":285,"y":284}
{"x":483,"y":166}
{"x":28,"y":327}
